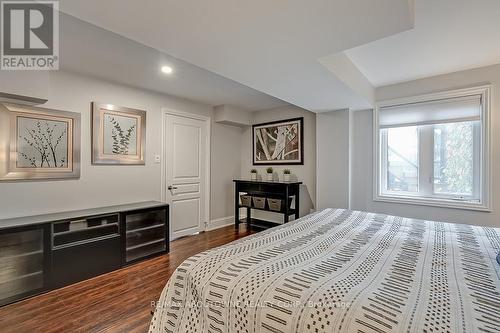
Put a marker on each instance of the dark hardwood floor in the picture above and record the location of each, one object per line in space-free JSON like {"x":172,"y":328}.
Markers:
{"x":115,"y":302}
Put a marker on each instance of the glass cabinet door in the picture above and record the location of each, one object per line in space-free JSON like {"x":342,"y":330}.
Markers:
{"x":21,"y":264}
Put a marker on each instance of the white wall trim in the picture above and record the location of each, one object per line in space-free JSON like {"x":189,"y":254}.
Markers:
{"x":220,"y":223}
{"x":475,"y":90}
{"x":486,"y":176}
{"x":208,"y":124}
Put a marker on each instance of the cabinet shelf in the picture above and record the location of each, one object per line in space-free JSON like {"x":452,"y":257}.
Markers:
{"x":20,"y":255}
{"x":85,"y":241}
{"x":14,"y":250}
{"x":22,"y":284}
{"x":146,"y":249}
{"x":90,"y":234}
{"x":135,"y":247}
{"x":24,"y":276}
{"x":69,"y":232}
{"x":291,"y":211}
{"x":145,"y":228}
{"x":260,"y":224}
{"x":21,"y":265}
{"x":64,"y":227}
{"x":145,"y":219}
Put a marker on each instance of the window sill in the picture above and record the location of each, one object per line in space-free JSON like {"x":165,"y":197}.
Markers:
{"x":441,"y":203}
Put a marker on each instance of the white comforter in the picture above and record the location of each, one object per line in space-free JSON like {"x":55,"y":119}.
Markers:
{"x":340,"y":271}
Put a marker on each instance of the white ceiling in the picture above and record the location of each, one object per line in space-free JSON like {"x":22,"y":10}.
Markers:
{"x":272,"y":46}
{"x":449,"y":35}
{"x":93,"y":51}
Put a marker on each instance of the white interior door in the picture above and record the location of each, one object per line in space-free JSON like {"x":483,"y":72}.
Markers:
{"x":186,"y":161}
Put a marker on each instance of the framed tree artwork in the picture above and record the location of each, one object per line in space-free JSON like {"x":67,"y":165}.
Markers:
{"x":38,"y":143}
{"x":279,"y":142}
{"x":118,"y":135}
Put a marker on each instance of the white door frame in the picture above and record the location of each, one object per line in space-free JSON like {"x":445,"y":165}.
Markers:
{"x":207,"y":120}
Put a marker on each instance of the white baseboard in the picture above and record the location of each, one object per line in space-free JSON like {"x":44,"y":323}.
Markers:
{"x":220,"y":223}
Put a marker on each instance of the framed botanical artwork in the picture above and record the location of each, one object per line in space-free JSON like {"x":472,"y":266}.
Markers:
{"x":38,"y":143}
{"x":279,"y":142}
{"x":118,"y":135}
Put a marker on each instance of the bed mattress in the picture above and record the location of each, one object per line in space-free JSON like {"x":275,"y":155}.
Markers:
{"x":340,"y":271}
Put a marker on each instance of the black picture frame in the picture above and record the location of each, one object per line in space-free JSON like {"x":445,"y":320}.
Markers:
{"x":300,"y":121}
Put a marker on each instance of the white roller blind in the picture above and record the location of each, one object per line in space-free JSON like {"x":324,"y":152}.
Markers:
{"x":451,"y":110}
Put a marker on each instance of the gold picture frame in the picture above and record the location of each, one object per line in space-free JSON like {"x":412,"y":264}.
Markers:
{"x":118,"y":135}
{"x":38,"y":143}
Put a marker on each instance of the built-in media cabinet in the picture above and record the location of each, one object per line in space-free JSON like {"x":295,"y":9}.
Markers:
{"x":40,"y":253}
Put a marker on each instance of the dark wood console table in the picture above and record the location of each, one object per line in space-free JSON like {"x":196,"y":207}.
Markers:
{"x":266,"y":189}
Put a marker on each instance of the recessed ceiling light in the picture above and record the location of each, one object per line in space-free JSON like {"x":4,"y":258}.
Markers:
{"x":167,"y":69}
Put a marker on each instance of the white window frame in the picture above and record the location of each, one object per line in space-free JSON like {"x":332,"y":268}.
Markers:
{"x":483,"y":185}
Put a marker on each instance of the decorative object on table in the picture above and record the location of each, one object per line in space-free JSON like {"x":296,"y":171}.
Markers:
{"x":246,"y":200}
{"x":38,"y":143}
{"x":269,"y":172}
{"x":274,"y":204}
{"x":278,"y":205}
{"x":253,"y":174}
{"x":286,"y":175}
{"x":259,"y":202}
{"x":279,"y":142}
{"x":118,"y":135}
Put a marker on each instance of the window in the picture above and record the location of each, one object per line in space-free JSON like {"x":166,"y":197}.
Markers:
{"x":456,"y":159}
{"x":433,"y":150}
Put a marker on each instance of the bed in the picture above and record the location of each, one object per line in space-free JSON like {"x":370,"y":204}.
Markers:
{"x":340,"y":271}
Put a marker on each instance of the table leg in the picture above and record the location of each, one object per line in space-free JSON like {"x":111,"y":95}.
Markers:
{"x":249,"y":217}
{"x":236,"y":206}
{"x":287,"y":206}
{"x":297,"y":202}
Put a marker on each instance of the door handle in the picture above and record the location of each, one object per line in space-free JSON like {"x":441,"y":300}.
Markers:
{"x":172,"y":187}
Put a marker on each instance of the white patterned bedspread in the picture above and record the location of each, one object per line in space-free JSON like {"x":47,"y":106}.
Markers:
{"x":340,"y":271}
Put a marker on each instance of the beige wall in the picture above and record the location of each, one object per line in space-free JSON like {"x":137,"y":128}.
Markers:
{"x":108,"y":185}
{"x":305,"y":173}
{"x":226,"y":166}
{"x":362,"y":149}
{"x":332,"y":172}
